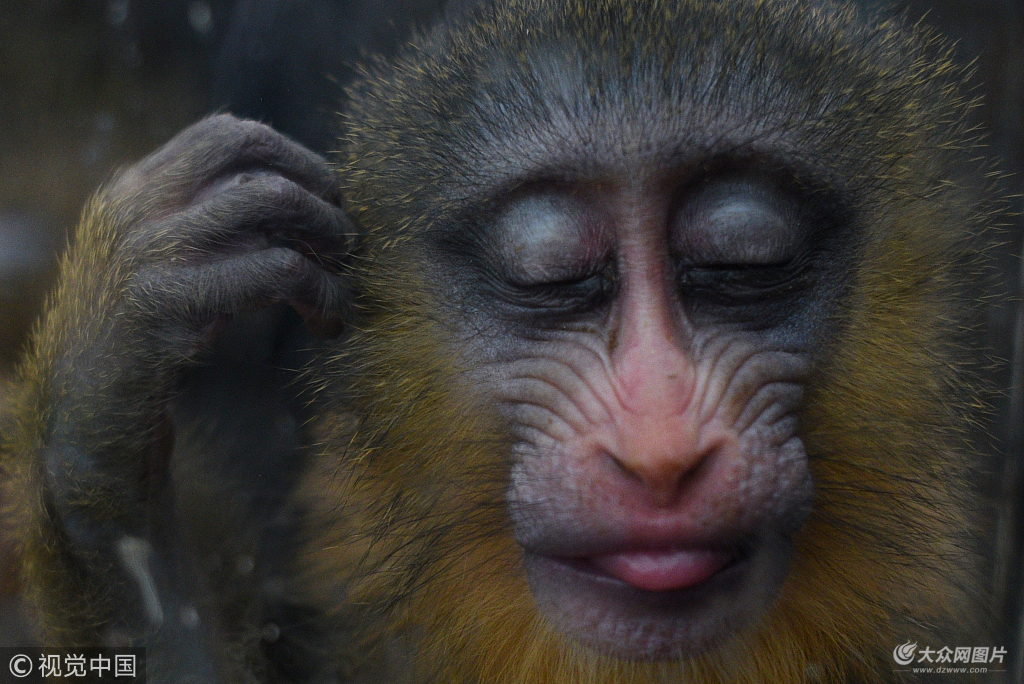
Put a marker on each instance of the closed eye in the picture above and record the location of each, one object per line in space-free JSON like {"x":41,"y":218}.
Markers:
{"x":574,"y":295}
{"x":739,"y":284}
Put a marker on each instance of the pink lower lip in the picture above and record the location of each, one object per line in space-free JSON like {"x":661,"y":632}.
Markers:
{"x":662,"y":569}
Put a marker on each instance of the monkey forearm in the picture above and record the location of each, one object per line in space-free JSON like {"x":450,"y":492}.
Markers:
{"x":86,"y":429}
{"x":163,"y":257}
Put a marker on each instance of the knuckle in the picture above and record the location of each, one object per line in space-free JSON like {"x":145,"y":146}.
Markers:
{"x":259,"y":138}
{"x":286,"y":194}
{"x":287,"y":272}
{"x":217,"y":125}
{"x":294,"y":266}
{"x":221,"y":119}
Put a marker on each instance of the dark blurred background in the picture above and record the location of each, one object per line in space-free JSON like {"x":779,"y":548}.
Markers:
{"x":87,"y":86}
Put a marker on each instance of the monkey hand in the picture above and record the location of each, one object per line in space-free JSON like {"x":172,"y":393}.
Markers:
{"x":227,"y":217}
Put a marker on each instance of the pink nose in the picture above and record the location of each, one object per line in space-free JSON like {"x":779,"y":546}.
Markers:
{"x":660,"y":452}
{"x":655,"y":376}
{"x":657,"y":438}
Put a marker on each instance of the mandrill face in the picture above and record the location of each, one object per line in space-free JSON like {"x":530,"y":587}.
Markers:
{"x":651,"y":369}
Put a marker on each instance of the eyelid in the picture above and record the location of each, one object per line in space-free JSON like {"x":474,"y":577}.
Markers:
{"x":548,"y":238}
{"x":739,"y":222}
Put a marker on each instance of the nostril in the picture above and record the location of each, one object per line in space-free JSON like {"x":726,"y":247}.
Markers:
{"x":619,"y":466}
{"x":661,"y":469}
{"x":662,"y":479}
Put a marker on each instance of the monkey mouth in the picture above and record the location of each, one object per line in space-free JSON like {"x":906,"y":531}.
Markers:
{"x":666,"y":569}
{"x":669,"y":601}
{"x":652,"y":571}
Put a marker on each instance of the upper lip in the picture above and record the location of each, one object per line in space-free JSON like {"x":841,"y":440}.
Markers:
{"x":589,"y":543}
{"x":671,"y":576}
{"x":573,"y":533}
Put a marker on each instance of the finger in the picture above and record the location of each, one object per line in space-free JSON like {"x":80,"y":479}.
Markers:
{"x":223,"y":144}
{"x":195,"y":295}
{"x":253,"y":211}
